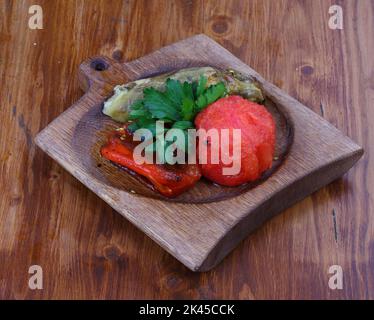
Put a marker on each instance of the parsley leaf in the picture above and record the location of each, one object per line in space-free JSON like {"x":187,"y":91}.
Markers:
{"x":213,"y":93}
{"x":174,"y":91}
{"x":201,"y":85}
{"x":187,"y":110}
{"x":160,"y":105}
{"x":183,"y":125}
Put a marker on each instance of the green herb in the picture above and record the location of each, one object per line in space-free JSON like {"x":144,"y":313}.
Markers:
{"x":177,"y":105}
{"x":183,"y":125}
{"x":210,"y":95}
{"x":201,"y":86}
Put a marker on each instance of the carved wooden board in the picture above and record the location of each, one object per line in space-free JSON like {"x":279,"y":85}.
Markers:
{"x":199,"y":232}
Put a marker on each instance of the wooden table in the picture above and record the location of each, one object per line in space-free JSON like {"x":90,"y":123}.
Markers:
{"x":86,"y":249}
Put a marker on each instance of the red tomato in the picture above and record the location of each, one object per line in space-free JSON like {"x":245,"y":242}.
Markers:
{"x":257,"y":138}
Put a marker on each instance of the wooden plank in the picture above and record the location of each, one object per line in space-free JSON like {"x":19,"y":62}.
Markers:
{"x":318,"y":155}
{"x":109,"y":258}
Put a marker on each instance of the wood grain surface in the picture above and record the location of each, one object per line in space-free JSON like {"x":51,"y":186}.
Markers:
{"x":89,"y":251}
{"x":205,"y":223}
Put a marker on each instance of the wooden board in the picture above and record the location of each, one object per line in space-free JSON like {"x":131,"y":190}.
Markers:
{"x":89,"y":251}
{"x":200,"y":235}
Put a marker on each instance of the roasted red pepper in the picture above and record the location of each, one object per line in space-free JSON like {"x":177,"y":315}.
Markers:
{"x":169,"y":180}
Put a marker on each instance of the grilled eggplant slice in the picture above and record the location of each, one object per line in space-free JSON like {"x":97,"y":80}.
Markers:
{"x":118,"y":106}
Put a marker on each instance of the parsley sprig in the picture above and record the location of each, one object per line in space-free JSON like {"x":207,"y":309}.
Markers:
{"x":177,"y":105}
